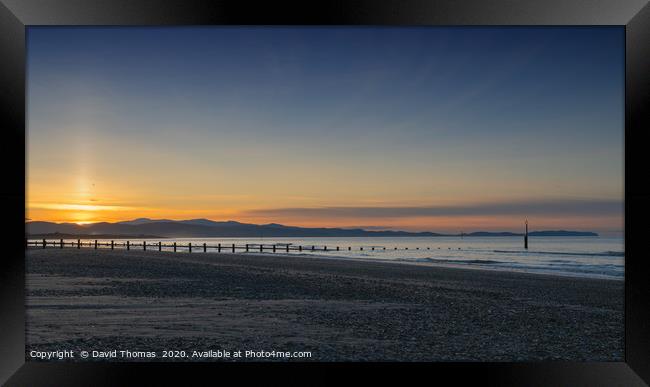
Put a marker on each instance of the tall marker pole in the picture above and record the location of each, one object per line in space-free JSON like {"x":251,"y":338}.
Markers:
{"x":526,"y":236}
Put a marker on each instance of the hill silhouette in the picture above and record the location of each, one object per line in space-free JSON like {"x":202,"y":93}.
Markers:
{"x":204,"y":228}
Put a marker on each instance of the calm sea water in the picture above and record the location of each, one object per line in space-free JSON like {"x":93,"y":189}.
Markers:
{"x":595,"y":257}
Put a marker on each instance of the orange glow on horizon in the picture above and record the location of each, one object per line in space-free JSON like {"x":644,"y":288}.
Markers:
{"x":94,"y":213}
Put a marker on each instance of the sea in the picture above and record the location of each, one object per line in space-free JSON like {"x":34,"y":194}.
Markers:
{"x":592,"y":257}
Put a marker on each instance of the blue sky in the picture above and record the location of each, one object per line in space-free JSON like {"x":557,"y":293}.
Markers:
{"x":386,"y":117}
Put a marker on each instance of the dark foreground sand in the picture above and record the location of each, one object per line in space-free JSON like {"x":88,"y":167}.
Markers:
{"x":337,"y":309}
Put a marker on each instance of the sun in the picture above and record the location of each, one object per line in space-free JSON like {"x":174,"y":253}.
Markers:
{"x":81,"y":217}
{"x":82,"y":222}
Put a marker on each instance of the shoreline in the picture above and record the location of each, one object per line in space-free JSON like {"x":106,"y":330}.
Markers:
{"x":440,"y":263}
{"x":340,"y":309}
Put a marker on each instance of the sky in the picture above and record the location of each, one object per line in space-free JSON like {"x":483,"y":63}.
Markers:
{"x":441,"y":129}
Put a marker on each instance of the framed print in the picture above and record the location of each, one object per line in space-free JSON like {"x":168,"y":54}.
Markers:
{"x":440,"y":187}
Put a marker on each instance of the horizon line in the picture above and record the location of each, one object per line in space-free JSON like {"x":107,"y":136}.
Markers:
{"x":363,"y":228}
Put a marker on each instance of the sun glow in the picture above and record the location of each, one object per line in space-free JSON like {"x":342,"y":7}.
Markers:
{"x":82,"y":223}
{"x":79,"y":213}
{"x":78,"y":207}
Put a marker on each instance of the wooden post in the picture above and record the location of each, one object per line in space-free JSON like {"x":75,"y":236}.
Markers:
{"x":43,"y":243}
{"x":112,"y":245}
{"x":159,"y":246}
{"x":300,"y":248}
{"x":219,"y":247}
{"x":95,"y":244}
{"x":349,"y":248}
{"x":337,"y":248}
{"x":526,"y":236}
{"x":233,"y":247}
{"x":174,"y":246}
{"x":144,"y":245}
{"x":78,"y":243}
{"x":325,"y":248}
{"x":189,"y":247}
{"x":61,"y":242}
{"x":274,"y":248}
{"x":261,"y":247}
{"x":287,"y":247}
{"x":246,"y":247}
{"x":128,"y":245}
{"x":205,"y":248}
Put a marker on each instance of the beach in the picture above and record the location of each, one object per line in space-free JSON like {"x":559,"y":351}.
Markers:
{"x":336,"y":309}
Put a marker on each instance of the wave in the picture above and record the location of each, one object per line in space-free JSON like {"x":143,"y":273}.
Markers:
{"x":588,"y":270}
{"x":610,"y":269}
{"x":600,"y":254}
{"x":562,"y":267}
{"x":465,"y":261}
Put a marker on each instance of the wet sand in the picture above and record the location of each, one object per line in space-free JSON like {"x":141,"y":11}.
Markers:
{"x":340,"y":310}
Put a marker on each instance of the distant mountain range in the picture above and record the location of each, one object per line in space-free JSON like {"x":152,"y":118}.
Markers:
{"x":203,"y":228}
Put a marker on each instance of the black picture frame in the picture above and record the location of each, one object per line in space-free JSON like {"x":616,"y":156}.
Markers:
{"x":15,"y":15}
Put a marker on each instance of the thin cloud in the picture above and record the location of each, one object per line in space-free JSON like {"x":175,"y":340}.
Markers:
{"x":77,"y":207}
{"x":575,"y":207}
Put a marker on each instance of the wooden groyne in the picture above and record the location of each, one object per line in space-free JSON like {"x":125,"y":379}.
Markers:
{"x":203,"y":247}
